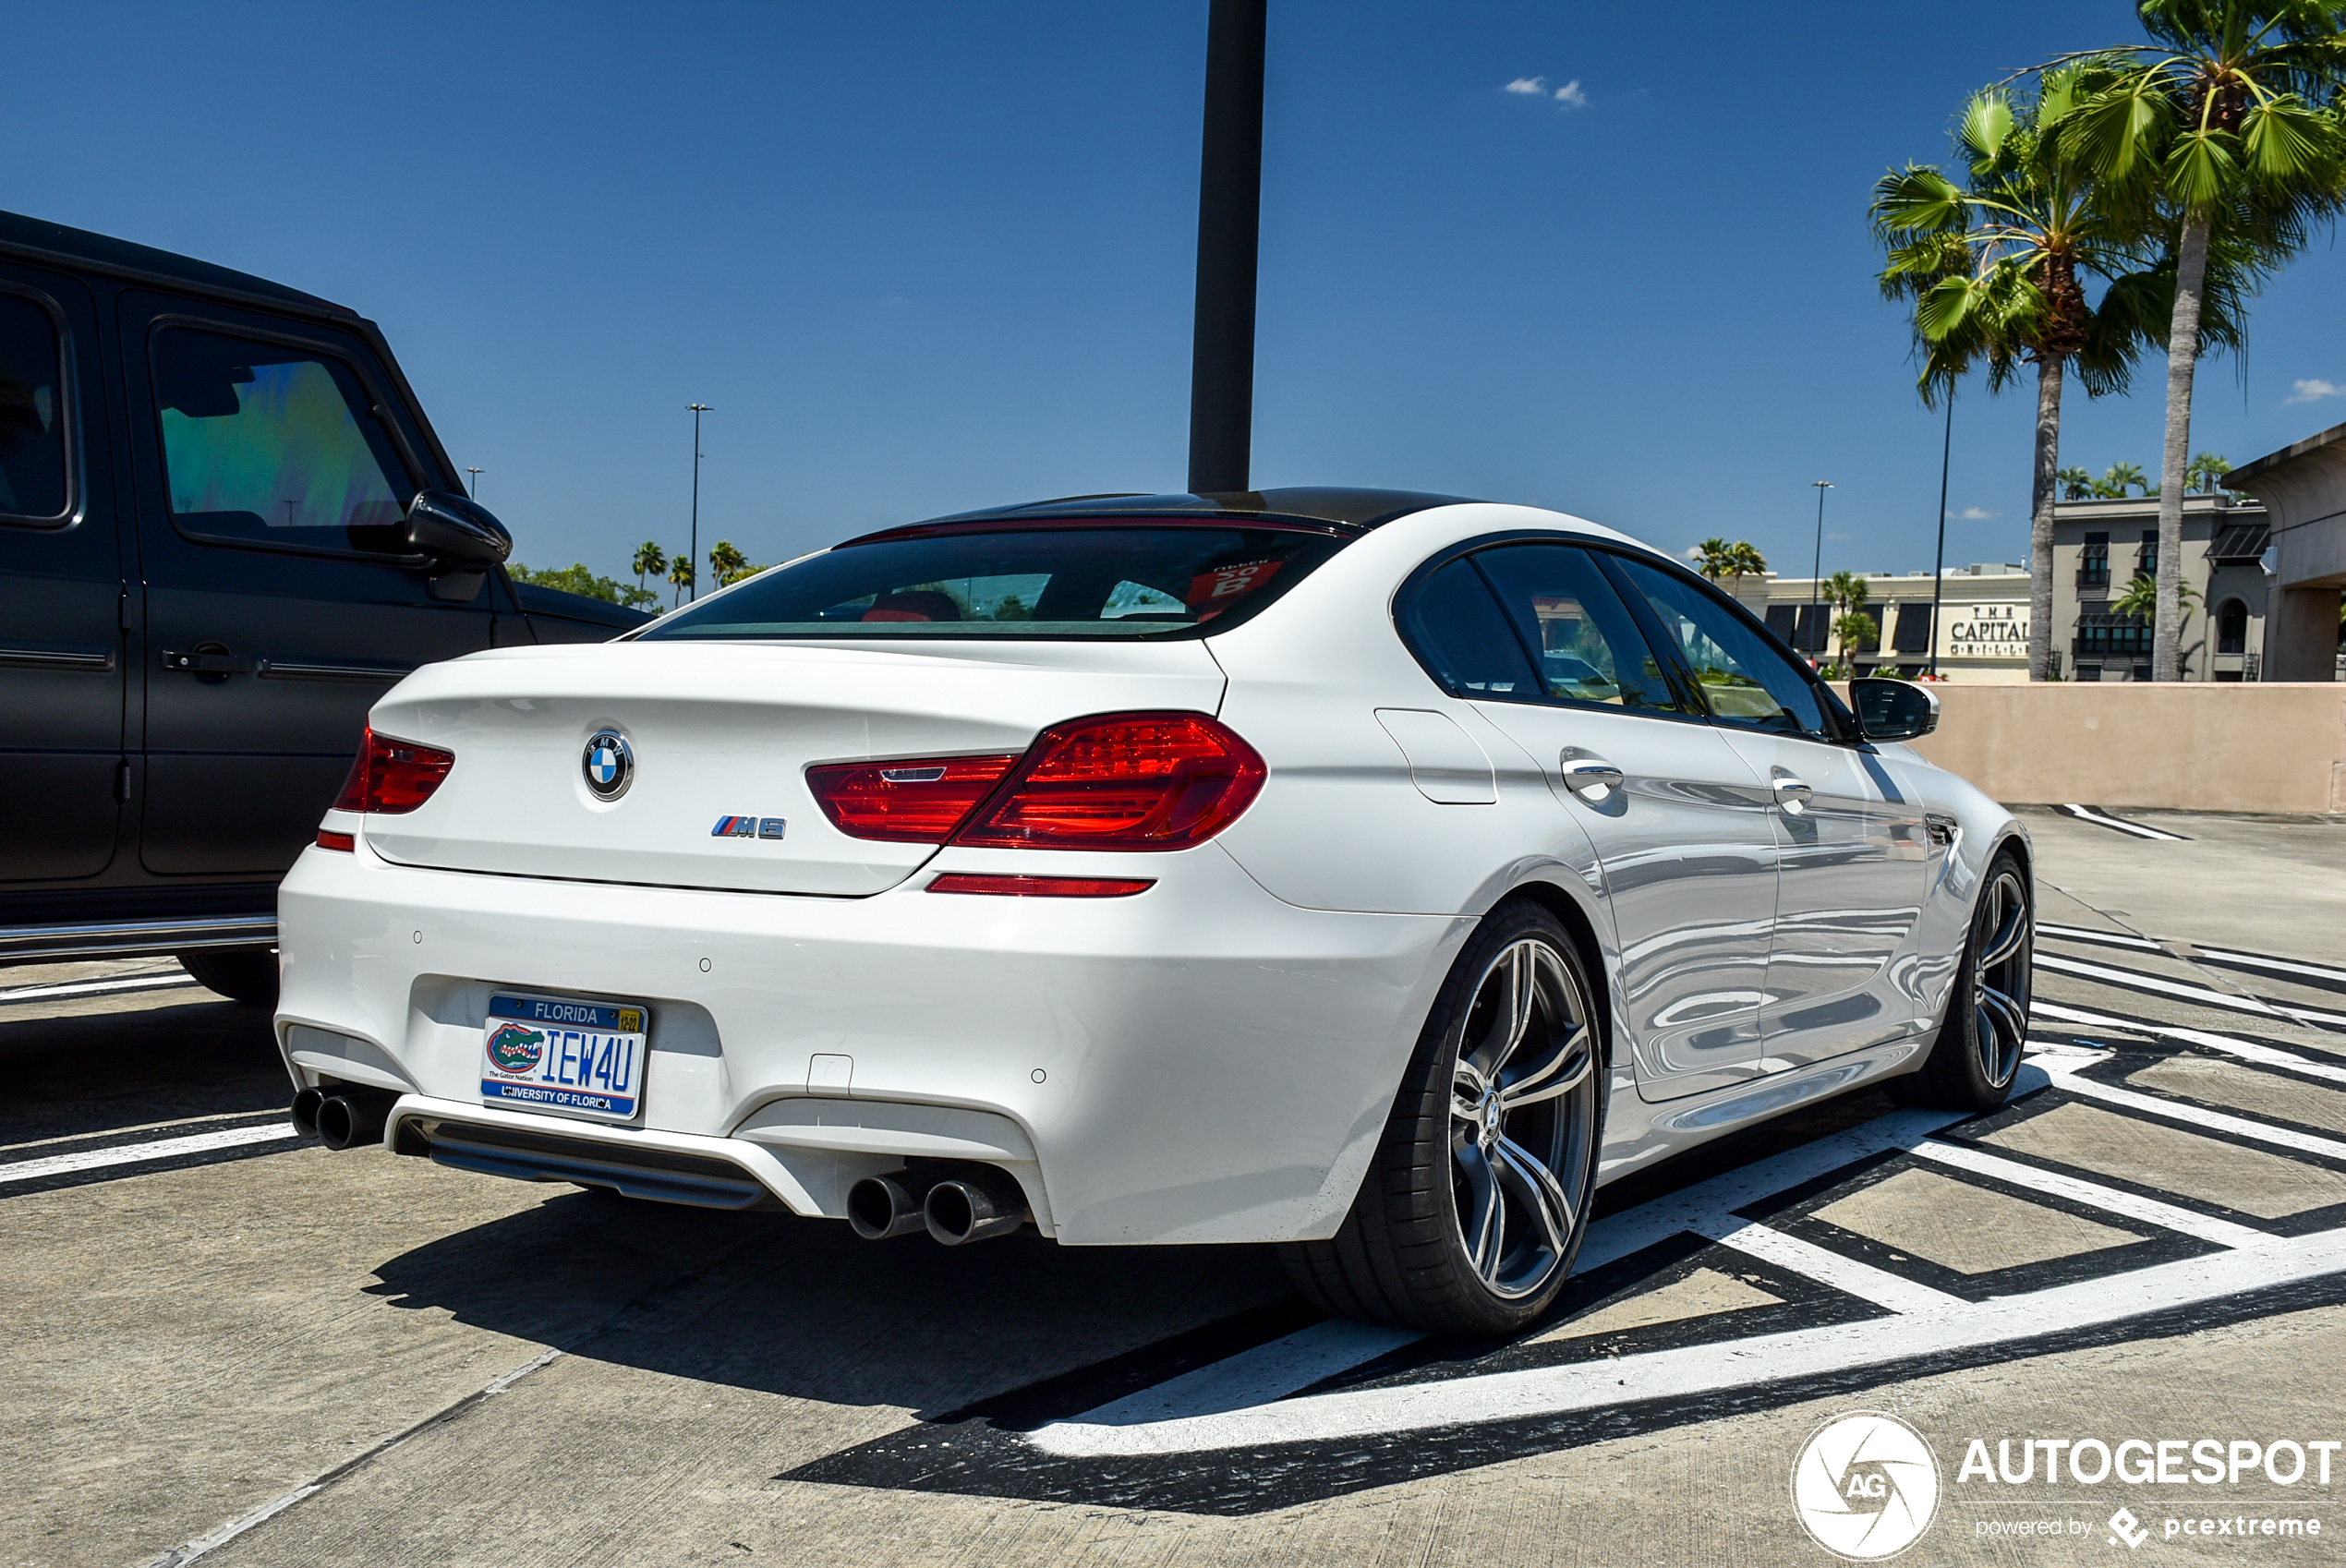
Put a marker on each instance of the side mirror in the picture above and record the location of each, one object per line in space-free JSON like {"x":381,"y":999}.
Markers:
{"x":1894,"y":710}
{"x":455,"y":529}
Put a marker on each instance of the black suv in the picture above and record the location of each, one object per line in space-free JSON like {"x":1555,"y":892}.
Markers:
{"x":226,"y":528}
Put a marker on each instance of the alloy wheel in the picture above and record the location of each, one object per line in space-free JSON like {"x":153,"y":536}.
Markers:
{"x":1522,"y":1117}
{"x":2003,"y":952}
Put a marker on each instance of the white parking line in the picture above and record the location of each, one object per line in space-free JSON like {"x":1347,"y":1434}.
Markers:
{"x":137,"y":1153}
{"x":2101,"y":818}
{"x":2263,"y":961}
{"x":94,"y":987}
{"x":1254,"y":1376}
{"x":2247,"y":1050}
{"x":1689,"y":1372}
{"x":1825,"y":1266}
{"x":2107,"y":938}
{"x":2127,"y":1205}
{"x":2198,"y":1118}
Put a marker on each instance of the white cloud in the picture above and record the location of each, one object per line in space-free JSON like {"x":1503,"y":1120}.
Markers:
{"x":2313,"y":391}
{"x":1530,"y":87}
{"x":1976,"y":514}
{"x":1571,"y":97}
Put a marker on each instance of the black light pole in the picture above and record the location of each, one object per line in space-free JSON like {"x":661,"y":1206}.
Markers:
{"x":1229,"y":213}
{"x":1817,"y":567}
{"x":1939,"y":562}
{"x":698,"y":409}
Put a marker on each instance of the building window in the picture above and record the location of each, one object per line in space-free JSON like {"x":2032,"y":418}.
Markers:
{"x":2146,"y":558}
{"x":1912,"y":634}
{"x":2232,"y":627}
{"x":2103,"y":636}
{"x":2093,"y":563}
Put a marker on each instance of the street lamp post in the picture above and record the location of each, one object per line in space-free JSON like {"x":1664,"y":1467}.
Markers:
{"x":698,"y":409}
{"x":472,"y":485}
{"x":1817,"y":565}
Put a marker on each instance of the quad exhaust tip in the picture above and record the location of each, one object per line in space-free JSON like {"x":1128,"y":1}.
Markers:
{"x":955,"y":1209}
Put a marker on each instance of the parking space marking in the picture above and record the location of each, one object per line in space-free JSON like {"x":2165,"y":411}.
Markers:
{"x":2101,"y":818}
{"x":1826,"y":1267}
{"x":1251,"y":1376}
{"x":2199,"y":1117}
{"x":94,"y":987}
{"x":14,"y":1171}
{"x":2131,"y":1205}
{"x":1696,"y":1371}
{"x":2104,"y":938}
{"x":2245,"y":1050}
{"x":2298,"y":970}
{"x":2133,"y":980}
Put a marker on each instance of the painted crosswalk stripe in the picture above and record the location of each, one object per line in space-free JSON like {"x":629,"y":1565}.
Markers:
{"x":140,"y":1154}
{"x":2101,"y":818}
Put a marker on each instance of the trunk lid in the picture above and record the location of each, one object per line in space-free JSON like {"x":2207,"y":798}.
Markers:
{"x":728,"y":730}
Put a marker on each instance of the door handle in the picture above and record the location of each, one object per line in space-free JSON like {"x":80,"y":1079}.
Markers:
{"x":1589,"y":778}
{"x":1791,"y":793}
{"x":212,"y":660}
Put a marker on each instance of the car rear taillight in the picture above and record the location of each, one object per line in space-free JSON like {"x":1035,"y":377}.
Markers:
{"x":389,"y":777}
{"x":1042,"y":886}
{"x":330,"y":839}
{"x":920,"y":801}
{"x":1121,"y":782}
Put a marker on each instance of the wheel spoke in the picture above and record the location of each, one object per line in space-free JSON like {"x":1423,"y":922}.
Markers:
{"x":1483,"y":1216}
{"x":1565,"y":1070}
{"x":1468,"y":1086}
{"x":2010,"y":926}
{"x":1538,"y":1191}
{"x":2003,"y":1014}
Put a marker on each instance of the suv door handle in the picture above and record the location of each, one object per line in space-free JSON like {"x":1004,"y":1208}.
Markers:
{"x":1590,"y":777}
{"x":206,"y":659}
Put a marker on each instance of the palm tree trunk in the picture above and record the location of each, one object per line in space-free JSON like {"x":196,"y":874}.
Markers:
{"x":2040,"y":516}
{"x":2183,"y":361}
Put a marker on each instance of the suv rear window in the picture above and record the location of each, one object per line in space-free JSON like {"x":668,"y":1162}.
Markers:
{"x":1111,"y":579}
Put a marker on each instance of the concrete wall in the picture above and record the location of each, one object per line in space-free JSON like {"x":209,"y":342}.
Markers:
{"x":2192,"y":746}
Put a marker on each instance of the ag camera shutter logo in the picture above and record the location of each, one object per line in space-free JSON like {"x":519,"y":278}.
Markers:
{"x":1866,"y":1486}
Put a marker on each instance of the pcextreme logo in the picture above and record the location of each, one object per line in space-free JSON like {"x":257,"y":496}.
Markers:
{"x":1865,"y":1486}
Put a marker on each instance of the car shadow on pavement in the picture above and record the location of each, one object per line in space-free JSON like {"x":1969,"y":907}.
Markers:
{"x":802,"y":1308}
{"x":99,"y":1071}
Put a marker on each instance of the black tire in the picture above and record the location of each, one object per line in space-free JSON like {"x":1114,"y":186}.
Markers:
{"x":1519,"y":1163}
{"x":241,"y":974}
{"x":1975,"y":1057}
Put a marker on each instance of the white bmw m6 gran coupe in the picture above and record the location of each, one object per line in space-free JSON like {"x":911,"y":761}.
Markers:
{"x":1369,"y":872}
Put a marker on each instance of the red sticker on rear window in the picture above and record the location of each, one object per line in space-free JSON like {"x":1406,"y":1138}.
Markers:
{"x":1213,"y":592}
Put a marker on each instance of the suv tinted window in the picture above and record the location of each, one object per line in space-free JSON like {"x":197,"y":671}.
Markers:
{"x":1080,"y":580}
{"x":1589,"y":645}
{"x":272,"y":443}
{"x":1460,"y":634}
{"x":1743,"y":681}
{"x":32,"y":423}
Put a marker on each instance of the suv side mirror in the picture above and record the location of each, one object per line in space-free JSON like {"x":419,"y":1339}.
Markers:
{"x":1894,"y":710}
{"x":455,"y":529}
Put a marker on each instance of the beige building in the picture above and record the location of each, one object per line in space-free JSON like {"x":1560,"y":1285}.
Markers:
{"x":2099,"y":547}
{"x":1982,"y":638}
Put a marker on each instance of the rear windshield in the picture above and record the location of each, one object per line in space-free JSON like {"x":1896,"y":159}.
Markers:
{"x":1113,"y":580}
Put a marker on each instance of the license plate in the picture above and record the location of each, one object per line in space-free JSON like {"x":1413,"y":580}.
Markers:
{"x":553,"y":1054}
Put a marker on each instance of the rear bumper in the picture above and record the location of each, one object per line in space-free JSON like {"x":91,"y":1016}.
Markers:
{"x":1200,"y":1063}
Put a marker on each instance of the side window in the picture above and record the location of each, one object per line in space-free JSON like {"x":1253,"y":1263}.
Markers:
{"x":32,"y":413}
{"x":1458,"y":633}
{"x":270,"y":444}
{"x":1589,"y":645}
{"x":1741,"y":678}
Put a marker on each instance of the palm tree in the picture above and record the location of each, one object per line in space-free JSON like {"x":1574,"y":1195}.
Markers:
{"x":1998,"y":270}
{"x":2076,"y":481}
{"x":1714,"y":558}
{"x":650,"y":562}
{"x":2118,"y":477}
{"x":680,"y":575}
{"x":1856,"y":630}
{"x":2205,"y":470}
{"x":1744,"y":559}
{"x":727,"y":565}
{"x":2227,"y":127}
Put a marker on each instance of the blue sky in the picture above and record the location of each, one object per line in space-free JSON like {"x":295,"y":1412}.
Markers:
{"x":924,"y":257}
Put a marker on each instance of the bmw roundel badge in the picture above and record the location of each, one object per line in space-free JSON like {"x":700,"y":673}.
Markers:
{"x":609,"y":765}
